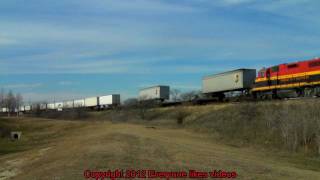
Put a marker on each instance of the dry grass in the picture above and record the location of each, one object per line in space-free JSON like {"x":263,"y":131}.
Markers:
{"x":292,"y":126}
{"x":100,"y":145}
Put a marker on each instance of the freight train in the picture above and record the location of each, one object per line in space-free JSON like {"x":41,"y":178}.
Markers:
{"x":96,"y":102}
{"x":298,"y":79}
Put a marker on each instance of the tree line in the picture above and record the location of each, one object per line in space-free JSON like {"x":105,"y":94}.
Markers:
{"x":10,"y":100}
{"x":176,"y":95}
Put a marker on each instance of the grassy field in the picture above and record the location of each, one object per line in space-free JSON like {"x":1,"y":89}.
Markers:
{"x":59,"y":149}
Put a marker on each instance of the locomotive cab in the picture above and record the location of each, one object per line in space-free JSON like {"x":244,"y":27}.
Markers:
{"x":261,"y":73}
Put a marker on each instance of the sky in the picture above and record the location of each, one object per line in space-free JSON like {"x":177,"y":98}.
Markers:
{"x":52,"y":50}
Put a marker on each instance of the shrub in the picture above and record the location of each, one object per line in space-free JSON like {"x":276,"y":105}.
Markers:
{"x":72,"y":114}
{"x":181,"y":115}
{"x":294,"y":126}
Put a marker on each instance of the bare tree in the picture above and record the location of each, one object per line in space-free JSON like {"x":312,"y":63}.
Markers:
{"x":189,"y":96}
{"x":2,"y":98}
{"x":175,"y":94}
{"x":10,"y":102}
{"x":36,"y":109}
{"x":143,"y":106}
{"x":18,"y":102}
{"x":143,"y":98}
{"x":131,"y":102}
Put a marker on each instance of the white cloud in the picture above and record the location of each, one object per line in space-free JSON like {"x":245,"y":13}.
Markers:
{"x":67,"y":83}
{"x":59,"y":96}
{"x":236,"y":2}
{"x":6,"y":41}
{"x":186,"y":87}
{"x":135,"y":6}
{"x":36,"y":33}
{"x":284,"y":4}
{"x":75,"y":48}
{"x":303,"y":10}
{"x":22,"y":86}
{"x":54,"y":96}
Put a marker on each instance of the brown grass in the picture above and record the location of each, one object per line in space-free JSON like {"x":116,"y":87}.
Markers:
{"x":104,"y":145}
{"x":264,"y":140}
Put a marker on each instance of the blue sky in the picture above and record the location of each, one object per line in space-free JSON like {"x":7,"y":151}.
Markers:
{"x":55,"y":49}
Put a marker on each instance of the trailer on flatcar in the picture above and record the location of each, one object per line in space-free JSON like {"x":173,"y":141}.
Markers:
{"x":217,"y":85}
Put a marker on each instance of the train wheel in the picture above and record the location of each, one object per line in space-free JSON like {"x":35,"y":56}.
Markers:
{"x":300,"y":92}
{"x":309,"y":92}
{"x":274,"y":94}
{"x":254,"y":95}
{"x":221,"y":97}
{"x":316,"y":91}
{"x":262,"y":96}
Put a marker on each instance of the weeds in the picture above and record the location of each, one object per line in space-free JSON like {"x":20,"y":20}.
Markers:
{"x":181,"y":115}
{"x":291,"y":126}
{"x":72,"y":114}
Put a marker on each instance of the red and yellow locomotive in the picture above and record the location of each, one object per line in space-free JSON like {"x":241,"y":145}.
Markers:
{"x":302,"y":78}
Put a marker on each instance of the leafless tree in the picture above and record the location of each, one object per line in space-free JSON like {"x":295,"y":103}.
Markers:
{"x":10,"y":102}
{"x":18,"y":102}
{"x":175,"y":94}
{"x":131,"y":102}
{"x":143,"y":106}
{"x":189,"y":96}
{"x":2,"y":98}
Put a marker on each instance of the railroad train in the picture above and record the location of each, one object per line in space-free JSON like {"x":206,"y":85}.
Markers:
{"x":298,"y":79}
{"x":96,"y":102}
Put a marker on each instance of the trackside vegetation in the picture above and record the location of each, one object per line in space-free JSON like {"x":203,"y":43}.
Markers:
{"x":292,"y":126}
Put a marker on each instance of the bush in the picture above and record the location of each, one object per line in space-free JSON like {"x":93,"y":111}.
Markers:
{"x":72,"y":114}
{"x":181,"y":115}
{"x":294,"y":126}
{"x":5,"y":129}
{"x":120,"y":115}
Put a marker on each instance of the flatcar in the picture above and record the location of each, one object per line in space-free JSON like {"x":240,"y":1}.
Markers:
{"x":298,"y":79}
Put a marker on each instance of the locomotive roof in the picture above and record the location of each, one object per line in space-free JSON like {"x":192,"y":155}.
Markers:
{"x":296,"y":62}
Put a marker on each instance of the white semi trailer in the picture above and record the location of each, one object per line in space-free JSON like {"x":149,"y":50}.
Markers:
{"x":68,"y":104}
{"x":109,"y":100}
{"x":79,"y":103}
{"x":237,"y":80}
{"x":51,"y":106}
{"x":91,"y":102}
{"x":5,"y":110}
{"x":155,"y":93}
{"x":58,"y":106}
{"x":27,"y":108}
{"x":22,"y":109}
{"x":43,"y":106}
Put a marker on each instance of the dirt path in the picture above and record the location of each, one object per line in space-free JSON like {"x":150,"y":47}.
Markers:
{"x":103,"y":146}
